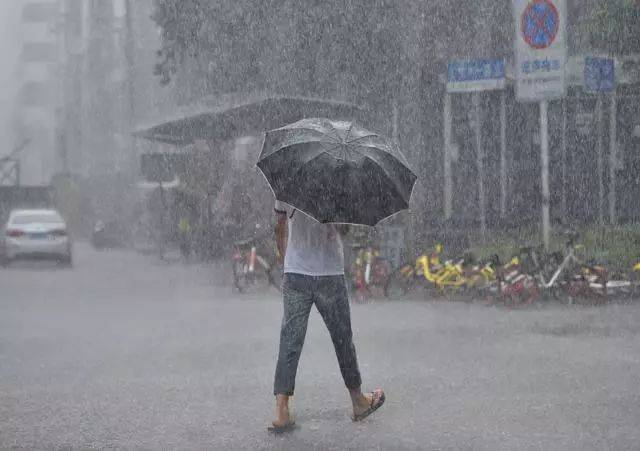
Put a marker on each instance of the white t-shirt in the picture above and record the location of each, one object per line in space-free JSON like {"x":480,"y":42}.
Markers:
{"x":313,"y":249}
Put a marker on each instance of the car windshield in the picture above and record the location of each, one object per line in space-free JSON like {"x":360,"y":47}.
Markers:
{"x":33,"y":218}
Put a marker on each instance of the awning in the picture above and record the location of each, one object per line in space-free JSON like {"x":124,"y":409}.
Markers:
{"x":232,"y":117}
{"x":148,"y":186}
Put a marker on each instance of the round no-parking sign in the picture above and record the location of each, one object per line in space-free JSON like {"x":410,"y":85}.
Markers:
{"x":539,"y":24}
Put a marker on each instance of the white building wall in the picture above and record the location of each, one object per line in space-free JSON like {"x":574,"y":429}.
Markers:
{"x":37,"y":97}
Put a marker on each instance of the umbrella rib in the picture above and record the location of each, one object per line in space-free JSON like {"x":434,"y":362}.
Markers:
{"x":302,"y":166}
{"x":346,"y":138}
{"x":397,"y":155}
{"x":331,"y":148}
{"x":363,"y":137}
{"x":312,"y":130}
{"x":392,"y":179}
{"x":335,"y":131}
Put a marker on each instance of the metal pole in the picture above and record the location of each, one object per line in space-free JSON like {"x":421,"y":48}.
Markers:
{"x":162,"y":234}
{"x":448,"y":182}
{"x":600,"y":160}
{"x":503,"y":155}
{"x":563,"y":162}
{"x":396,"y":128}
{"x":480,"y":163}
{"x":130,"y":56}
{"x":544,"y":163}
{"x":613,"y":158}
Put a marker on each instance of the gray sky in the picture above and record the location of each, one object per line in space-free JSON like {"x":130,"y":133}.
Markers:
{"x":9,"y":51}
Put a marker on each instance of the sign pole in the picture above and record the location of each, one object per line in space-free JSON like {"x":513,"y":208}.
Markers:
{"x":613,"y":157}
{"x":544,"y":163}
{"x":396,"y":128}
{"x":563,"y":150}
{"x":599,"y":76}
{"x":448,"y":183}
{"x":161,"y":235}
{"x":480,"y":165}
{"x":503,"y":155}
{"x":600,"y":160}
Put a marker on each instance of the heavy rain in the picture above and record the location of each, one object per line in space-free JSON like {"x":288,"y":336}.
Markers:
{"x":438,"y":199}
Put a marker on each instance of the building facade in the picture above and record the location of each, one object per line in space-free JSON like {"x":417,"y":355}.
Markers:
{"x":37,"y":99}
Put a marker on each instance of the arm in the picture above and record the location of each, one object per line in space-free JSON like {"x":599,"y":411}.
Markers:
{"x":280,"y":234}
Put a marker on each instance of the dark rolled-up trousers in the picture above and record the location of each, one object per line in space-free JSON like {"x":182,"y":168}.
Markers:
{"x":329,"y":294}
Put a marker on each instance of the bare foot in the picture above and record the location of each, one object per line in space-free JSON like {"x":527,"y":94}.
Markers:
{"x":283,"y":418}
{"x":366,"y":402}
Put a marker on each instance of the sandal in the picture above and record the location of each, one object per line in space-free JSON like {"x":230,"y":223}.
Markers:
{"x":377,"y":400}
{"x":290,"y":426}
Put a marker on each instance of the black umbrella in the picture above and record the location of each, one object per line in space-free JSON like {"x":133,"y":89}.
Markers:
{"x":336,"y":171}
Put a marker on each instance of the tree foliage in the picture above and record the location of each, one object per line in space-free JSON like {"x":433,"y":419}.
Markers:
{"x":308,"y":47}
{"x":614,"y":26}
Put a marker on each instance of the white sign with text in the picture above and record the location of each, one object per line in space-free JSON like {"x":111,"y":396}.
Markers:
{"x":540,"y":49}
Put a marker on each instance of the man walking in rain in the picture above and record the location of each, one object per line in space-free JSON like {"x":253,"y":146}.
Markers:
{"x":314,"y":274}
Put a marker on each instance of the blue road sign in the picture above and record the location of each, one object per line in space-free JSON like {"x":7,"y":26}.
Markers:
{"x":475,"y":70}
{"x":475,"y":75}
{"x":540,"y":23}
{"x":599,"y":74}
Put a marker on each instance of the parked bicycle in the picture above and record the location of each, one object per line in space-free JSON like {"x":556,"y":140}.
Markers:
{"x":460,"y":279}
{"x":624,"y":285}
{"x":252,"y":269}
{"x":565,"y":276}
{"x":368,"y":272}
{"x":512,"y":287}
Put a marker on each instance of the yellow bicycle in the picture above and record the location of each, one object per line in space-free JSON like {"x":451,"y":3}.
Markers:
{"x":450,"y":279}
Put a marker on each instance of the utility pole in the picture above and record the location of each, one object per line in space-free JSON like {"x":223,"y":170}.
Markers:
{"x":482,"y":201}
{"x":504,"y":181}
{"x":563,"y":156}
{"x":613,"y":158}
{"x":544,"y":163}
{"x":130,"y":61}
{"x":448,"y":182}
{"x":600,"y":159}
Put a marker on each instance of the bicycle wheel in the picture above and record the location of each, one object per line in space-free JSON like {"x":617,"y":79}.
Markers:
{"x":240,"y":275}
{"x":452,"y":286}
{"x":381,"y":272}
{"x":559,"y":292}
{"x":399,"y":283}
{"x":620,"y":290}
{"x":524,"y":297}
{"x":454,"y":293}
{"x":250,"y":281}
{"x":361,"y":296}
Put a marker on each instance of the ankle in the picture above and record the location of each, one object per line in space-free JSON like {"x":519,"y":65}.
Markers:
{"x":282,"y":402}
{"x":355,"y":394}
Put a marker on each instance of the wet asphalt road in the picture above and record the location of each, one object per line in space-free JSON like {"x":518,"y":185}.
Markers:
{"x":123,"y":351}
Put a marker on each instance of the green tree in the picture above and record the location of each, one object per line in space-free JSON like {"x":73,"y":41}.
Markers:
{"x":614,"y":27}
{"x":304,"y":47}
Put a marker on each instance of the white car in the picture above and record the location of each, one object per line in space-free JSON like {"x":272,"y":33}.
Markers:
{"x":36,"y":234}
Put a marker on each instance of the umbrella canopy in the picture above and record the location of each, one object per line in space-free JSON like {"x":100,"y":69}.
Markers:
{"x":336,"y":171}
